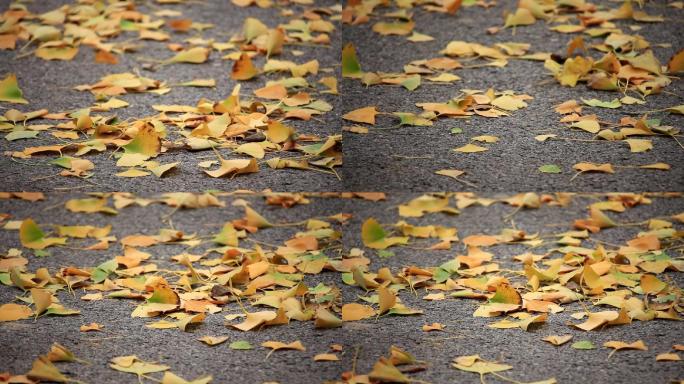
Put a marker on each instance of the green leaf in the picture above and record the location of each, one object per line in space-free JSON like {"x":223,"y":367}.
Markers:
{"x":550,"y":168}
{"x":456,"y":130}
{"x":17,"y":135}
{"x":350,"y":63}
{"x":10,"y":92}
{"x":103,"y":270}
{"x":385,"y":254}
{"x":412,"y":119}
{"x":584,"y":344}
{"x":411,"y":83}
{"x":240,"y":345}
{"x":615,"y":103}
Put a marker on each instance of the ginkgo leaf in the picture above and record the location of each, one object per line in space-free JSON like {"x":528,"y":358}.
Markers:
{"x":254,"y":219}
{"x":161,"y":169}
{"x":274,"y":42}
{"x":355,"y":312}
{"x":350,"y":63}
{"x":10,"y":92}
{"x":234,"y":167}
{"x":591,"y":167}
{"x":584,"y":344}
{"x":326,"y":319}
{"x":131,"y":364}
{"x":252,"y":149}
{"x":240,"y":345}
{"x":255,"y":319}
{"x":597,"y":319}
{"x":243,"y":69}
{"x":362,"y":115}
{"x":668,"y":357}
{"x":478,"y":365}
{"x":43,"y":369}
{"x":471,"y":148}
{"x":384,"y":371}
{"x":411,"y":83}
{"x":273,"y":92}
{"x":550,"y":168}
{"x":394,"y":28}
{"x":650,"y":284}
{"x":326,"y":357}
{"x":419,"y":37}
{"x":676,"y":63}
{"x":615,"y":103}
{"x":522,"y":16}
{"x":146,"y":142}
{"x":386,"y":298}
{"x":591,"y":126}
{"x":59,"y":352}
{"x":558,"y":340}
{"x":374,"y":236}
{"x":453,"y":173}
{"x":508,"y":103}
{"x":253,"y":28}
{"x":42,"y":299}
{"x":619,"y":345}
{"x":33,"y":237}
{"x":196,"y":55}
{"x":14,"y":312}
{"x":639,"y":145}
{"x":278,"y":345}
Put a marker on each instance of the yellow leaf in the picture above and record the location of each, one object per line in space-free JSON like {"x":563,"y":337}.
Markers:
{"x":591,"y":126}
{"x":277,"y":345}
{"x":273,"y":92}
{"x":326,"y":357}
{"x":650,"y":284}
{"x":362,"y":115}
{"x":558,"y":340}
{"x":255,"y":319}
{"x":42,"y":299}
{"x":133,"y":173}
{"x":386,"y":298}
{"x":196,"y":55}
{"x":13,"y":312}
{"x":597,"y":319}
{"x":43,"y":369}
{"x":618,"y":345}
{"x":522,"y":16}
{"x":668,"y":357}
{"x":243,"y":69}
{"x":639,"y":145}
{"x":252,"y":149}
{"x":355,"y":311}
{"x":234,"y":167}
{"x":470,"y":148}
{"x":591,"y":167}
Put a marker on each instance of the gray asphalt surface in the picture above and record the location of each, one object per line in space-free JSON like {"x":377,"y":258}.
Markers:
{"x":49,"y":84}
{"x":405,"y":159}
{"x":531,"y":358}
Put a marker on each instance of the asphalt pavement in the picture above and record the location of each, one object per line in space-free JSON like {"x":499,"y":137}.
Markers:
{"x":531,"y":358}
{"x":49,"y":85}
{"x":406,"y":158}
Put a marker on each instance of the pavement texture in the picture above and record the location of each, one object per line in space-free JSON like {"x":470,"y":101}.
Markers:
{"x":406,"y":158}
{"x":49,"y":85}
{"x":363,"y":341}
